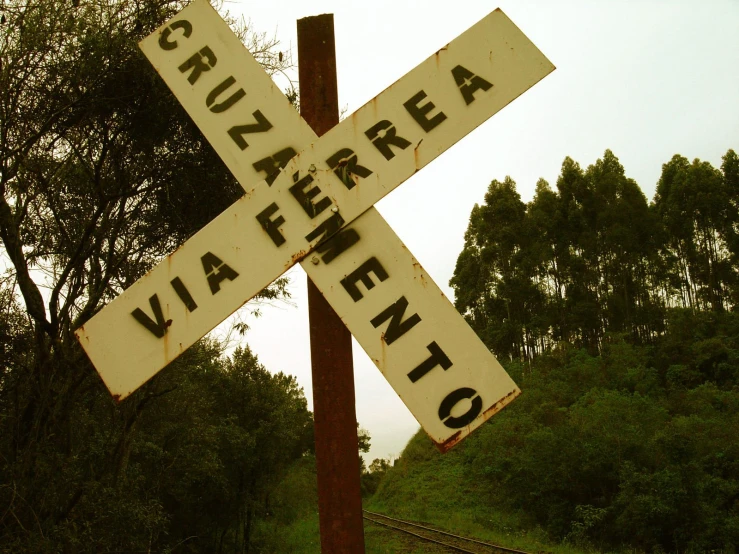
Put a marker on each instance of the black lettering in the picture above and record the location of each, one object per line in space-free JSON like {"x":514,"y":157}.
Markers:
{"x":157,"y":328}
{"x":305,"y":197}
{"x":437,"y":358}
{"x":327,"y":228}
{"x":165,"y":43}
{"x":362,"y":273}
{"x":195,"y":62}
{"x":337,"y":244}
{"x":468,"y":83}
{"x":216,"y":271}
{"x":383,"y":135}
{"x":344,"y":163}
{"x":261,"y":126}
{"x":184,"y":294}
{"x":451,"y":400}
{"x":272,"y":226}
{"x":396,"y":328}
{"x":272,"y":165}
{"x":418,"y":113}
{"x":228,"y":102}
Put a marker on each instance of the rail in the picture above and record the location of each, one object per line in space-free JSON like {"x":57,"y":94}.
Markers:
{"x":416,"y":526}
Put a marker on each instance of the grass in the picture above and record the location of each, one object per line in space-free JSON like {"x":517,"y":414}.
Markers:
{"x":302,"y":537}
{"x":442,"y":490}
{"x":423,"y":486}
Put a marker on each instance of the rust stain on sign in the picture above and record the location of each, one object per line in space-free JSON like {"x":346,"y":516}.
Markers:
{"x":415,"y":155}
{"x":502,"y":403}
{"x":165,"y":340}
{"x":437,"y":55}
{"x":421,"y":276}
{"x":448,"y":444}
{"x":297,"y":257}
{"x":383,"y":346}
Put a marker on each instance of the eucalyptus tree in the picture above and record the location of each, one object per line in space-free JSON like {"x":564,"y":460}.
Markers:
{"x":495,"y":277}
{"x":697,"y":205}
{"x":625,"y":245}
{"x":730,"y":170}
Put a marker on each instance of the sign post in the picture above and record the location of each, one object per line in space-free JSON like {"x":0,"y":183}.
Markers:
{"x":309,"y":200}
{"x":334,"y":413}
{"x":314,"y":206}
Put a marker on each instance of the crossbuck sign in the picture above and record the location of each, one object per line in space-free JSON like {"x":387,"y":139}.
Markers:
{"x":310,"y":200}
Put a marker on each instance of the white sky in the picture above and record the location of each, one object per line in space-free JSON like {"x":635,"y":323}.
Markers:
{"x":647,"y":79}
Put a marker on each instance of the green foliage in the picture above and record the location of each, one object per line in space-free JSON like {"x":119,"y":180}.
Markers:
{"x":619,"y":321}
{"x":291,"y":523}
{"x":593,"y":257}
{"x":101,"y":175}
{"x":451,"y":491}
{"x":198,"y":466}
{"x":372,"y":476}
{"x":697,"y":205}
{"x":635,"y":448}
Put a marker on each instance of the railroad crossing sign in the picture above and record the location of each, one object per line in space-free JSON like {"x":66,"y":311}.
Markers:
{"x":310,"y":201}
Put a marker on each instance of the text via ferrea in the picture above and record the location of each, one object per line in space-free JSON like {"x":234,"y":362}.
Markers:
{"x":387,"y":301}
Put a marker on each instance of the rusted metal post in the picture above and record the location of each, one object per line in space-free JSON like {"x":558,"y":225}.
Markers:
{"x":337,"y":454}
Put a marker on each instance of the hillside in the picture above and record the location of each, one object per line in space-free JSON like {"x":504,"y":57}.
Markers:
{"x":619,"y":319}
{"x":445,"y":490}
{"x":632,"y":449}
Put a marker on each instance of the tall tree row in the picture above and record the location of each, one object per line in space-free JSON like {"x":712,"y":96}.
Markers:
{"x":594,"y":257}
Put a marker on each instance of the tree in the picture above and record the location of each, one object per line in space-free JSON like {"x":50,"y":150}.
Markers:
{"x":550,"y":252}
{"x":692,"y":201}
{"x":730,"y":170}
{"x":371,"y":477}
{"x":577,"y":214}
{"x":594,"y":258}
{"x":493,"y":279}
{"x":227,"y":437}
{"x":101,"y":174}
{"x":626,"y":240}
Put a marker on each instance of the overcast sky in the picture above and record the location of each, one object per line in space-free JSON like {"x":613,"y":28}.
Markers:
{"x":646,"y":79}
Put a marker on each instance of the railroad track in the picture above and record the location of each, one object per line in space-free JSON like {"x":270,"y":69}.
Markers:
{"x":448,"y":540}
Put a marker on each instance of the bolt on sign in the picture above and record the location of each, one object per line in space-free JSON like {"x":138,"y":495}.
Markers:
{"x":310,"y":201}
